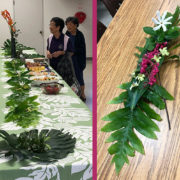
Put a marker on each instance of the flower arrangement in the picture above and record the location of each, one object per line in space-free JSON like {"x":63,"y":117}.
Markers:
{"x":6,"y":15}
{"x":14,"y":32}
{"x":142,"y":90}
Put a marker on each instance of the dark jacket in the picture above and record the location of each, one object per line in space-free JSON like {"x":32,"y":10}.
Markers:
{"x":80,"y":48}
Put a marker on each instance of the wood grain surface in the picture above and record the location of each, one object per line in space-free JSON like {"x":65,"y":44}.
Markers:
{"x":115,"y":62}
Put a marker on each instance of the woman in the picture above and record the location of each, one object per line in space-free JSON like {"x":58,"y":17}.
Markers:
{"x":56,"y":46}
{"x":79,"y":46}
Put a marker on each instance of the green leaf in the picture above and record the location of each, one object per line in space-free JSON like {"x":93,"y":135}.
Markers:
{"x":116,"y":136}
{"x":4,"y":134}
{"x":175,"y":18}
{"x":114,"y":125}
{"x":155,"y":99}
{"x":176,"y":57}
{"x":136,"y":142}
{"x":124,"y":157}
{"x":119,"y":162}
{"x":143,"y":129}
{"x":129,"y":150}
{"x":114,"y":148}
{"x":162,"y":92}
{"x":139,"y":61}
{"x":141,"y":117}
{"x":150,"y":44}
{"x":137,"y":55}
{"x":119,"y":99}
{"x":32,"y":98}
{"x":135,"y":95}
{"x":149,"y":111}
{"x":174,"y":47}
{"x":141,"y":49}
{"x":160,"y":38}
{"x":121,"y":113}
{"x":125,"y":85}
{"x":149,"y":30}
{"x":172,"y":34}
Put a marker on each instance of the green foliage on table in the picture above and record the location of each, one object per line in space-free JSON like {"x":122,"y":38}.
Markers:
{"x":7,"y":47}
{"x":19,"y":48}
{"x":137,"y":114}
{"x":46,"y":145}
{"x":32,"y":56}
{"x":23,"y":109}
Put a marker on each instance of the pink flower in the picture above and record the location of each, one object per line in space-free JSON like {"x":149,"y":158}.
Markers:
{"x":148,"y":61}
{"x":154,"y":71}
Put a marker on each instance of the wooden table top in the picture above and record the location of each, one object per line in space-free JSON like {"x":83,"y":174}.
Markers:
{"x":115,"y":62}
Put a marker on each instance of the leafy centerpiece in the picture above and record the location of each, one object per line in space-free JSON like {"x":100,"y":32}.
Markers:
{"x":46,"y":145}
{"x":142,"y":90}
{"x":23,"y":109}
{"x":19,"y":48}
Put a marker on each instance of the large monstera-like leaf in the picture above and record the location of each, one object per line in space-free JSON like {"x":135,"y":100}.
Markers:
{"x":47,"y":145}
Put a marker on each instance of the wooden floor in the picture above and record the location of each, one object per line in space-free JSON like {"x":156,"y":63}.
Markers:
{"x":115,"y":62}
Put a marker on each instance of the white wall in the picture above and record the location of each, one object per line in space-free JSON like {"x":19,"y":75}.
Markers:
{"x":66,"y":8}
{"x":4,"y":28}
{"x":30,"y":22}
{"x":52,"y":8}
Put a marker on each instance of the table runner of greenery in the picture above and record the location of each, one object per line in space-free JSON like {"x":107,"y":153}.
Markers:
{"x":64,"y":110}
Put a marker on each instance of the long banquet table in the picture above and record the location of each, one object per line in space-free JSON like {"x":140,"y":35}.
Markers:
{"x":64,"y":110}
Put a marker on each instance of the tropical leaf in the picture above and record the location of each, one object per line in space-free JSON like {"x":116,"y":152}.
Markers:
{"x":140,"y":48}
{"x":150,"y":44}
{"x":119,"y":99}
{"x":149,"y":30}
{"x":175,"y":18}
{"x":47,"y":145}
{"x":162,"y":92}
{"x":149,"y":111}
{"x":155,"y":99}
{"x":136,"y":142}
{"x":125,"y":86}
{"x":137,"y":55}
{"x":116,"y":114}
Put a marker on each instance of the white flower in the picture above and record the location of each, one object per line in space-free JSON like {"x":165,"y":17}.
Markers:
{"x":134,"y":84}
{"x":161,"y":22}
{"x":164,"y":51}
{"x":157,"y":58}
{"x":140,"y":77}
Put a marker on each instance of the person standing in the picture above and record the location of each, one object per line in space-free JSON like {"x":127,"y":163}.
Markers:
{"x":79,"y":55}
{"x":56,"y":42}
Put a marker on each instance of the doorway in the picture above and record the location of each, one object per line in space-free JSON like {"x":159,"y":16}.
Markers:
{"x":29,"y":19}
